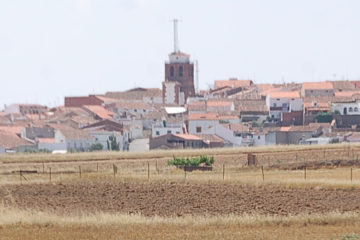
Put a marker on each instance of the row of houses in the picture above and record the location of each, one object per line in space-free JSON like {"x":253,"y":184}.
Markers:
{"x":233,"y":113}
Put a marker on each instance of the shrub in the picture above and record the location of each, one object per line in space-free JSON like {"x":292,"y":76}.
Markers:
{"x":194,"y":162}
{"x":324,"y":117}
{"x":96,"y":147}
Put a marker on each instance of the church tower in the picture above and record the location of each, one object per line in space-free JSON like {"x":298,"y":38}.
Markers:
{"x":179,"y":75}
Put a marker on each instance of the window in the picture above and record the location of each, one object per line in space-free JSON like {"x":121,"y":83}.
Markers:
{"x":181,"y":71}
{"x":198,"y":129}
{"x":177,"y":132}
{"x":157,"y":133}
{"x":350,"y":109}
{"x":356,"y":109}
{"x":171,"y":71}
{"x":259,"y":137}
{"x":135,"y":110}
{"x":274,"y":105}
{"x":169,"y":131}
{"x":144,"y":110}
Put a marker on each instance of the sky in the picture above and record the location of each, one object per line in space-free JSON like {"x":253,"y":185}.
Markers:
{"x":51,"y":48}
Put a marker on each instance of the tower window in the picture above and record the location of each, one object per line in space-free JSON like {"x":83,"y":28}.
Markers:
{"x":171,"y":71}
{"x":181,"y":71}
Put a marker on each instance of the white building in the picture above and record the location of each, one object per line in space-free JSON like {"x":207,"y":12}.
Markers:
{"x":281,"y":102}
{"x":160,"y":129}
{"x":350,"y":107}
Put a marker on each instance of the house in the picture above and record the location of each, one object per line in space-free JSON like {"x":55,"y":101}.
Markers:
{"x":252,"y":110}
{"x":11,"y":142}
{"x":317,"y":89}
{"x":25,"y":109}
{"x":91,"y":100}
{"x":37,"y":132}
{"x":285,"y":103}
{"x":50,"y":144}
{"x":74,"y":139}
{"x":164,"y":128}
{"x":349,"y":106}
{"x":213,"y":141}
{"x":176,"y":141}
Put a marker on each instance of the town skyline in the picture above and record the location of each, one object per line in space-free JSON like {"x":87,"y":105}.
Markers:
{"x":90,"y":53}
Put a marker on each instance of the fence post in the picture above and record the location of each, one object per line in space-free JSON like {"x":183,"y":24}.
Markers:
{"x":148,"y":168}
{"x":262,"y":171}
{"x":223,"y":171}
{"x":20,"y":177}
{"x":185,"y":170}
{"x":351,"y":174}
{"x":80,"y":171}
{"x":156,"y":167}
{"x":50,"y":173}
{"x":305,"y":172}
{"x":43,"y":167}
{"x":97,"y":167}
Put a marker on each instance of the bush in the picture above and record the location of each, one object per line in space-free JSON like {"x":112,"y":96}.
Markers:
{"x":324,"y":117}
{"x":194,"y":162}
{"x":96,"y":147}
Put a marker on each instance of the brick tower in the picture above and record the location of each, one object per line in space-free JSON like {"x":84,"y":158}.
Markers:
{"x":179,"y":76}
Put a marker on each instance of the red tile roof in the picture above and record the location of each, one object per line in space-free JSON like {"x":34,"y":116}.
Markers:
{"x":219,"y":104}
{"x":12,"y":129}
{"x":234,"y":83}
{"x":188,"y":136}
{"x":284,"y":95}
{"x":202,"y":116}
{"x":10,"y":140}
{"x":100,"y":111}
{"x":318,"y":85}
{"x":46,"y":140}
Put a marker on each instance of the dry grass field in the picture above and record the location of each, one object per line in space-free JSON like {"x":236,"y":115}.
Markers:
{"x":303,"y":192}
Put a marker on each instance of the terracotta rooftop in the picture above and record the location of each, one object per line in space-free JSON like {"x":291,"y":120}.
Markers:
{"x":10,"y":140}
{"x":252,"y":106}
{"x":197,"y":106}
{"x":100,"y":111}
{"x":346,"y":93}
{"x":71,"y":133}
{"x":46,"y":140}
{"x":239,"y":127}
{"x":284,"y":95}
{"x":136,"y":94}
{"x":203,"y":116}
{"x":234,"y":83}
{"x":129,"y":105}
{"x":318,"y":85}
{"x":219,"y":104}
{"x":210,"y":138}
{"x":12,"y":129}
{"x":188,"y":136}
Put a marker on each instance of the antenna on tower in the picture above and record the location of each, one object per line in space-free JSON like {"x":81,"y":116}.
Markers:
{"x":176,"y":40}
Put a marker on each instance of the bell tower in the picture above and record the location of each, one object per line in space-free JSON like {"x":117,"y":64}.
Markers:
{"x":179,"y":75}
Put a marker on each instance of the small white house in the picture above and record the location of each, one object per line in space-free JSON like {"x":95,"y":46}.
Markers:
{"x":281,"y":102}
{"x":160,"y":129}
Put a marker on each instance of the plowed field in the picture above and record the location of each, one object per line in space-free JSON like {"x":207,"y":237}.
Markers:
{"x":177,"y":199}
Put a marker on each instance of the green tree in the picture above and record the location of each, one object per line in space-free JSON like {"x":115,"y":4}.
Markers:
{"x":112,"y":144}
{"x":96,"y":147}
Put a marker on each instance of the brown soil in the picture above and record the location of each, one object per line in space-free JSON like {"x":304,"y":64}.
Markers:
{"x":177,"y":199}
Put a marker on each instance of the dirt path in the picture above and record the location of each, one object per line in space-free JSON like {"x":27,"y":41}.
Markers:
{"x":177,"y":199}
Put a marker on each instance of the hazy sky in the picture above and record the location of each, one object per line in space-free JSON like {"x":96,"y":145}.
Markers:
{"x":53,"y":48}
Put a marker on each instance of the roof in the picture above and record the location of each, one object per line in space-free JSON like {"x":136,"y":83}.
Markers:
{"x":100,"y":111}
{"x":136,"y":94}
{"x":343,"y":85}
{"x":197,"y":106}
{"x":284,"y":95}
{"x":346,"y":93}
{"x":233,"y":82}
{"x":106,"y":99}
{"x":318,"y":85}
{"x":239,"y":127}
{"x":12,"y":129}
{"x":175,"y":110}
{"x":188,"y":136}
{"x":132,"y":105}
{"x":71,"y":133}
{"x":203,"y":116}
{"x":210,"y":138}
{"x":10,"y":140}
{"x":251,"y":106}
{"x":219,"y":104}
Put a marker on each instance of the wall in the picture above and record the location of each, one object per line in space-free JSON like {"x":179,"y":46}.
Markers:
{"x":51,"y":146}
{"x":13,"y":108}
{"x":2,"y":150}
{"x":317,"y":93}
{"x":340,"y":107}
{"x":164,"y":130}
{"x":81,"y":101}
{"x":207,"y":126}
